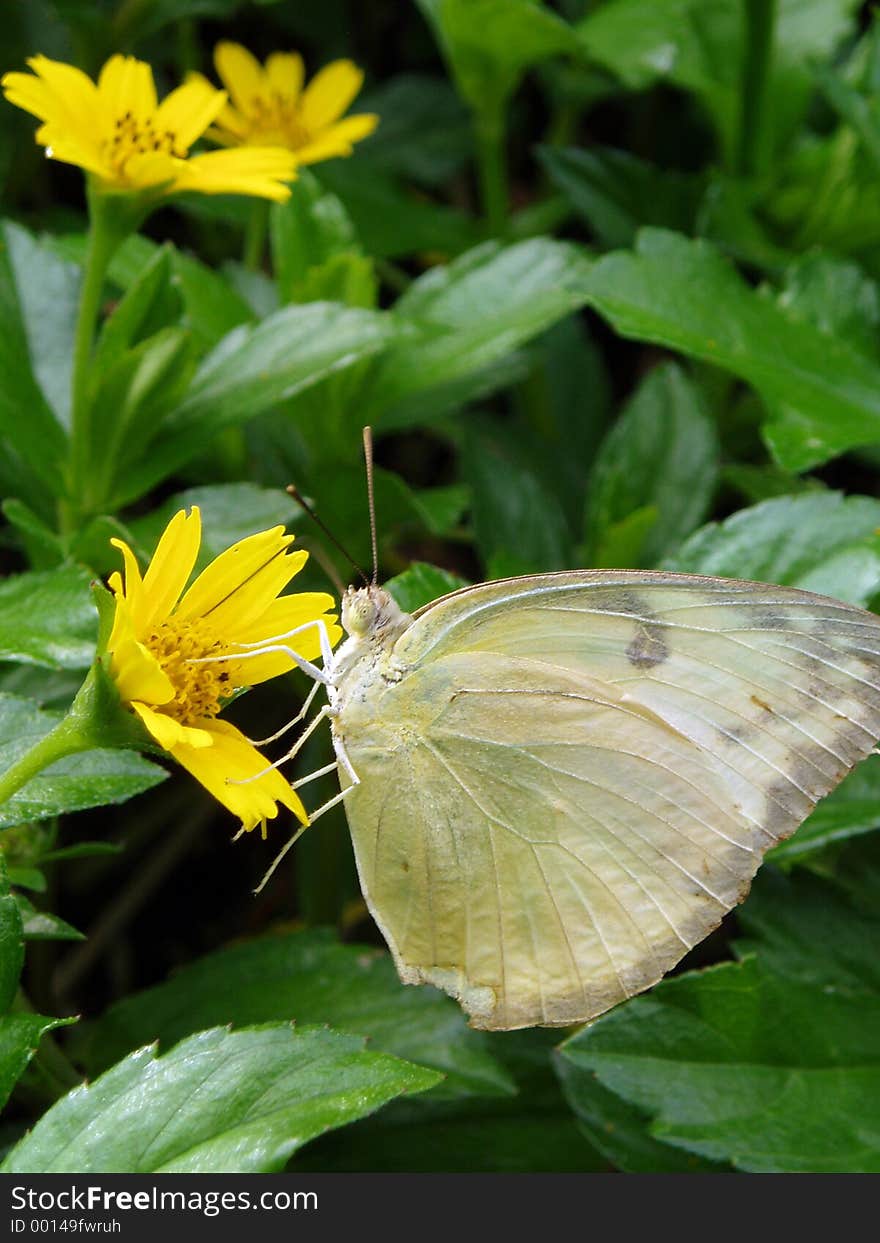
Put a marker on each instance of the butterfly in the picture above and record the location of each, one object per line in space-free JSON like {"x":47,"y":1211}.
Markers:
{"x":558,"y":784}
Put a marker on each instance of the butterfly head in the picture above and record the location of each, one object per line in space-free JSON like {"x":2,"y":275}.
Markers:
{"x":369,"y":611}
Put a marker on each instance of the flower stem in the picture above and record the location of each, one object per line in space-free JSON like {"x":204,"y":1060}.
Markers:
{"x":759,"y":19}
{"x":492,"y":167}
{"x":103,"y":241}
{"x":67,"y":738}
{"x":255,"y":235}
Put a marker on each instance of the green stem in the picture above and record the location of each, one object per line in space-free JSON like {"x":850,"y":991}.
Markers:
{"x":759,"y":17}
{"x":492,"y":167}
{"x":255,"y":235}
{"x":67,"y":738}
{"x":103,"y":241}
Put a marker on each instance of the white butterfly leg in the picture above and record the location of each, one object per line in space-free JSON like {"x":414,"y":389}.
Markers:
{"x":331,"y":802}
{"x":262,"y":742}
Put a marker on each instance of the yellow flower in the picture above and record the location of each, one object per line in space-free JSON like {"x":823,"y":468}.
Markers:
{"x":269,"y":106}
{"x":119,"y":132}
{"x":161,"y":639}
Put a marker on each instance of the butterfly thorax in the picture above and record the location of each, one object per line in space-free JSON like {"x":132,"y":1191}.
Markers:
{"x":374,"y":621}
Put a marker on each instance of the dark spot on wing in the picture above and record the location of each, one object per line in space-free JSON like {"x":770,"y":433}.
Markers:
{"x":648,"y":647}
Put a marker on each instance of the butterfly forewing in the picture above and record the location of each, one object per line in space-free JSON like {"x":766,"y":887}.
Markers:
{"x":576,"y":776}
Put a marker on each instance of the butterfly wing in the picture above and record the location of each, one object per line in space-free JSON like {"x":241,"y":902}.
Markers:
{"x":577,"y":775}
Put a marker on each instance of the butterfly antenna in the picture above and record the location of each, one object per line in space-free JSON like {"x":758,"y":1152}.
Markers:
{"x":293,"y":490}
{"x":371,"y":500}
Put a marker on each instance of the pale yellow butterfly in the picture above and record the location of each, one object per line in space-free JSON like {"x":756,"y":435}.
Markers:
{"x":556,"y":785}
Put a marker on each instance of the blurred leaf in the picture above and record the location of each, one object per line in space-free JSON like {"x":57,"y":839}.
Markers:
{"x":762,"y":483}
{"x":133,"y":22}
{"x":48,"y":618}
{"x":11,"y":941}
{"x":514,"y":514}
{"x":43,"y":925}
{"x":148,"y":304}
{"x":424,"y":134}
{"x":616,"y":193}
{"x":28,"y":878}
{"x":490,"y":44}
{"x":220,"y":1102}
{"x":19,"y":1038}
{"x":662,"y":452}
{"x":848,"y":811}
{"x":421,"y":584}
{"x":44,"y":547}
{"x":821,"y":392}
{"x":30,"y":352}
{"x":307,"y":231}
{"x":741,"y":1064}
{"x":819,"y":541}
{"x":393,"y":221}
{"x":254,"y":368}
{"x":87,"y":780}
{"x":464,"y":322}
{"x":307,"y":977}
{"x":836,"y":297}
{"x":230,"y":512}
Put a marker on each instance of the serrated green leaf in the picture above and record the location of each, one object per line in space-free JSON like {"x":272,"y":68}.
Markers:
{"x":819,"y":541}
{"x":19,"y":1038}
{"x":420,"y":584}
{"x":231,"y":1102}
{"x":90,"y":779}
{"x":309,"y":977}
{"x":662,"y":453}
{"x":47,"y":618}
{"x":464,"y":321}
{"x":770,"y":1064}
{"x":821,"y":392}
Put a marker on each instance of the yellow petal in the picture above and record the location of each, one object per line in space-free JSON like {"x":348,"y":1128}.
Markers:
{"x":171,"y":566}
{"x":189,"y":110}
{"x":284,"y":615}
{"x":257,"y":171}
{"x":150,"y":169}
{"x":242,"y":75}
{"x":138,"y":675}
{"x":329,"y":93}
{"x":170,"y":734}
{"x":338,"y":139}
{"x":241,"y":582}
{"x":133,"y":590}
{"x":285,"y":72}
{"x":231,"y":758}
{"x":230,"y":128}
{"x":125,"y":85}
{"x":66,"y":149}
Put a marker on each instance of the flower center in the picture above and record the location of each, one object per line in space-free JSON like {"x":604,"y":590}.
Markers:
{"x":198,"y":688}
{"x":133,"y":136}
{"x":275,"y":119}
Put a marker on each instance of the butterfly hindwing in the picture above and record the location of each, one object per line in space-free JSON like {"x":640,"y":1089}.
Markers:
{"x":577,"y":775}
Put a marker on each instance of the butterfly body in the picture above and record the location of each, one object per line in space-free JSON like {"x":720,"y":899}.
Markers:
{"x":565,"y":781}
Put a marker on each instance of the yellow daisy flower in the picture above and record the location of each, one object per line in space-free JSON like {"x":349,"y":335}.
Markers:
{"x":165,"y":641}
{"x":268,"y":105}
{"x":117,"y":130}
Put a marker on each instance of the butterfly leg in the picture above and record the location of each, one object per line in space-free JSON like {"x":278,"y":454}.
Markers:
{"x":307,"y":733}
{"x":331,"y":802}
{"x":261,"y":742}
{"x":264,"y":646}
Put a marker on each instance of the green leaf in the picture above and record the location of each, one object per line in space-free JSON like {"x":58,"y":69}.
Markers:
{"x":43,"y":925}
{"x":822,"y":394}
{"x":254,"y":368}
{"x":515,"y":514}
{"x":226,"y":1102}
{"x":48,"y":618}
{"x":663,"y":453}
{"x":850,"y":810}
{"x":490,"y":44}
{"x":310,"y":977}
{"x":11,"y":941}
{"x":819,"y":541}
{"x":307,"y":231}
{"x":148,"y":304}
{"x":741,"y":1064}
{"x":34,"y":437}
{"x":421,"y":584}
{"x":465,"y":320}
{"x":230,"y":512}
{"x":425,"y":132}
{"x":19,"y":1038}
{"x":616,"y":193}
{"x":91,"y":779}
{"x":390,"y":219}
